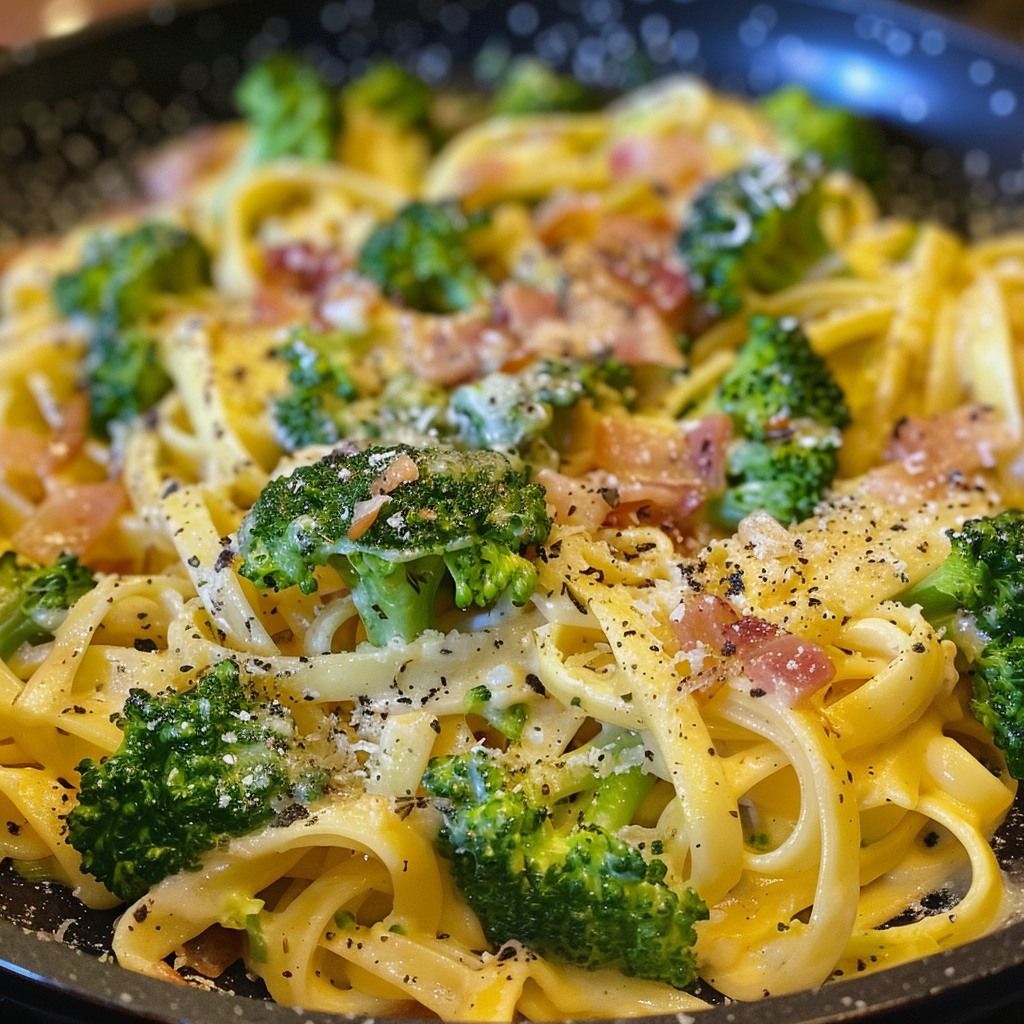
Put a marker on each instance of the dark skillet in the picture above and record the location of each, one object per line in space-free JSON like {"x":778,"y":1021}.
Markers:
{"x":74,"y":114}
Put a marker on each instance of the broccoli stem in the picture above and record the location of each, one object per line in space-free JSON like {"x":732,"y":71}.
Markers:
{"x":394,"y":599}
{"x":617,"y":798}
{"x":936,"y":594}
{"x":17,"y":629}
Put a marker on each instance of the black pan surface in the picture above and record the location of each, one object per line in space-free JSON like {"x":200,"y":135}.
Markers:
{"x":77,"y":111}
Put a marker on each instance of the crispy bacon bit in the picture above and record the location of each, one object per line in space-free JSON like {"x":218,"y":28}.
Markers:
{"x":646,"y":340}
{"x":23,"y":452}
{"x":520,"y":307}
{"x":449,"y":350}
{"x":930,"y":453}
{"x":576,"y":502}
{"x":702,"y":620}
{"x":400,"y":470}
{"x":789,"y":667}
{"x":663,"y":160}
{"x":965,"y":439}
{"x":649,"y":451}
{"x":274,"y":306}
{"x":71,"y":520}
{"x":773,"y":660}
{"x":364,"y":515}
{"x":302,"y":265}
{"x":70,"y":435}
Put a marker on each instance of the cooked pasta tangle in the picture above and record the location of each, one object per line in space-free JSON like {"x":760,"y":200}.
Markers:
{"x":811,"y":829}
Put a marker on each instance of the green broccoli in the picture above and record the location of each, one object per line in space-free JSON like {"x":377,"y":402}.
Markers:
{"x":122,"y":276}
{"x":321,"y":387}
{"x":408,"y":410}
{"x":529,"y":86}
{"x":977,"y":596}
{"x":470,"y":513}
{"x":290,"y":111}
{"x":787,"y":410}
{"x":504,"y":411}
{"x":422,"y":258}
{"x":509,"y":721}
{"x":34,"y":599}
{"x":786,"y":479}
{"x":388,"y":90}
{"x":757,"y":227}
{"x":537,"y":857}
{"x":778,"y":380}
{"x":842,"y":139}
{"x":124,"y":375}
{"x":120,"y":282}
{"x":194,"y":768}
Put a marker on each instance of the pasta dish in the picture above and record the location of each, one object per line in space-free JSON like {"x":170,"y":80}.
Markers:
{"x":513,"y":552}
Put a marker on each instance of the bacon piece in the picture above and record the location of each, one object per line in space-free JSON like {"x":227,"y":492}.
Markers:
{"x":630,"y":447}
{"x":273,"y":305}
{"x":23,"y":452}
{"x":702,"y":620}
{"x":774,"y":661}
{"x":520,"y":307}
{"x":302,"y":265}
{"x":449,"y":350}
{"x":575,"y":501}
{"x":400,"y":470}
{"x":653,"y":467}
{"x":662,"y":159}
{"x":789,"y":667}
{"x":69,"y":437}
{"x":930,"y":453}
{"x":364,"y":515}
{"x":71,"y":520}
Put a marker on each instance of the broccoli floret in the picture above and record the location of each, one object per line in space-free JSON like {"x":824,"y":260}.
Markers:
{"x":470,"y":513}
{"x":787,"y":410}
{"x":386,"y":89}
{"x":34,"y":599}
{"x":537,"y":858}
{"x":997,"y":681}
{"x":778,"y":380}
{"x":783,"y":478}
{"x":124,"y":375}
{"x":842,"y":139}
{"x":422,"y":258}
{"x":194,"y":768}
{"x":319,"y":372}
{"x":119,"y":282}
{"x":504,"y":411}
{"x":121,"y":276}
{"x":290,"y":111}
{"x":983,"y":575}
{"x":529,"y":86}
{"x":508,"y":721}
{"x":409,"y":410}
{"x":977,"y":596}
{"x":756,"y":227}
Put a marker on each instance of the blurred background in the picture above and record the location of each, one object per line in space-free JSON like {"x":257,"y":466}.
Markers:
{"x":22,"y":21}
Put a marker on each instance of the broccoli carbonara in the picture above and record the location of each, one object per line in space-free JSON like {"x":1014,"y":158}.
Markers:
{"x":513,"y":553}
